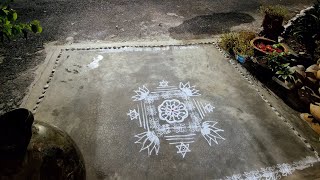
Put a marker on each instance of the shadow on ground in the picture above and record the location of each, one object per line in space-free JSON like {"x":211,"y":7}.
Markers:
{"x":205,"y":25}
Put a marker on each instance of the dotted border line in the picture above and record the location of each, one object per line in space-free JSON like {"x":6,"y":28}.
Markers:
{"x":139,"y":46}
{"x":250,"y":79}
{"x":46,"y":86}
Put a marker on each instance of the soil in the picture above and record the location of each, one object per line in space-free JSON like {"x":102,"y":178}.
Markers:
{"x":17,"y":62}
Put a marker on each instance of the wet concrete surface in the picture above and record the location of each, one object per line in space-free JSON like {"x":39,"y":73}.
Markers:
{"x":92,"y":92}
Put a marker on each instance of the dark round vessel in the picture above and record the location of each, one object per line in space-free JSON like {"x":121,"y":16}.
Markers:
{"x":37,"y":150}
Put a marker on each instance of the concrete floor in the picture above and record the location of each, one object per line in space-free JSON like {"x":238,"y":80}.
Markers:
{"x":88,"y":92}
{"x":108,"y":99}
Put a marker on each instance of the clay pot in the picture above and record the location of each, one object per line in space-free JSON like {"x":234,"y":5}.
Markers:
{"x":312,"y":70}
{"x":266,"y":41}
{"x":306,"y":117}
{"x":309,"y":119}
{"x":49,"y":154}
{"x":315,"y":111}
{"x":318,"y":74}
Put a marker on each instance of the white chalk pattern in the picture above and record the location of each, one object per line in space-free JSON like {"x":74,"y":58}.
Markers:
{"x":275,"y":172}
{"x":133,"y":114}
{"x":95,"y":63}
{"x":171,"y":112}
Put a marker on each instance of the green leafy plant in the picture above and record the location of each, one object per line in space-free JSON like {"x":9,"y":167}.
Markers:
{"x":10,"y":27}
{"x":280,"y":65}
{"x":276,"y":10}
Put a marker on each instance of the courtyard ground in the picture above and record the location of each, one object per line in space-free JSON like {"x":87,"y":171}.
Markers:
{"x":145,"y":93}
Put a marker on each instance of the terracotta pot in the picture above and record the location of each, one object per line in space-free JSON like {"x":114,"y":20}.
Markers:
{"x":318,"y":74}
{"x":309,"y":119}
{"x":266,"y":41}
{"x":312,"y":70}
{"x":49,"y":154}
{"x":306,"y":117}
{"x":315,"y":111}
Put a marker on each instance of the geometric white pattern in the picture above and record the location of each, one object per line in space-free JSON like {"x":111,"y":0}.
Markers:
{"x":183,"y":149}
{"x":172,"y":113}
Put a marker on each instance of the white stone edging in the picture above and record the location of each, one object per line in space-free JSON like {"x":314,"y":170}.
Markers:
{"x":302,"y":13}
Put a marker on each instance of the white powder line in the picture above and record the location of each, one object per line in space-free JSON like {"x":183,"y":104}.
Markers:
{"x":157,"y":91}
{"x":277,"y":171}
{"x":183,"y":138}
{"x":198,"y":108}
{"x":166,"y":87}
{"x":204,"y":109}
{"x":95,"y":63}
{"x":187,"y":142}
{"x":139,"y":116}
{"x":145,"y":113}
{"x":201,"y":109}
{"x":182,"y":135}
{"x":143,"y":118}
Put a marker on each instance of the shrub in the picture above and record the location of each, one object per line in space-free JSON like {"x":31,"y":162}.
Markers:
{"x":10,"y":27}
{"x":228,"y":41}
{"x":276,"y":10}
{"x":239,"y":42}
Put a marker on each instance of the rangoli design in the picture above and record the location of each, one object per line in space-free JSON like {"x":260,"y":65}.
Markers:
{"x":172,"y":113}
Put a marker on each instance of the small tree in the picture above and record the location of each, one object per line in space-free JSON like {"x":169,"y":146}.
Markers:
{"x":10,"y":27}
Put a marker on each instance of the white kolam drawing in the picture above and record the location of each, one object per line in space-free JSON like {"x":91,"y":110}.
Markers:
{"x":174,"y":114}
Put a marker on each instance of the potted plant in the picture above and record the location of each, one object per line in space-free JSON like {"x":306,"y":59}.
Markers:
{"x":243,"y":50}
{"x":279,"y":64}
{"x":228,"y":42}
{"x":272,"y":22}
{"x":238,"y":44}
{"x":265,"y":46}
